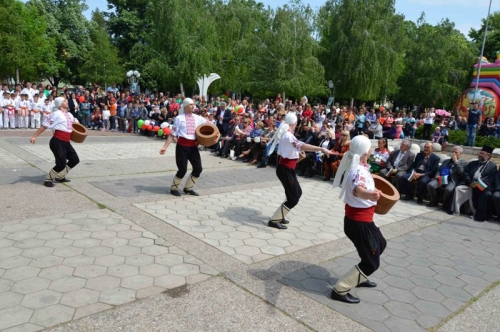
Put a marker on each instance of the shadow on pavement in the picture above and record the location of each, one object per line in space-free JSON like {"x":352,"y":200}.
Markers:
{"x":320,"y":286}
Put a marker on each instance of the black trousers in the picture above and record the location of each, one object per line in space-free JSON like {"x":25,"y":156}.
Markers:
{"x":183,"y":154}
{"x":369,"y":242}
{"x":426,"y":132}
{"x":292,"y":188}
{"x":63,"y":153}
{"x":481,"y":202}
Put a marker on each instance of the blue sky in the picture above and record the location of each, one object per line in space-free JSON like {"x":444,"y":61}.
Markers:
{"x":464,"y":13}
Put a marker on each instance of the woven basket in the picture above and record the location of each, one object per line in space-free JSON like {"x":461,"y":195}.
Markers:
{"x":388,"y":197}
{"x":206,"y":134}
{"x":79,"y":133}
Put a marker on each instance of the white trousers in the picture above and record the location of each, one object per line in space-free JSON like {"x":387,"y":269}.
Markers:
{"x":462,"y":194}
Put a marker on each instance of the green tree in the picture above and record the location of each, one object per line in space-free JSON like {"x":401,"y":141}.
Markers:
{"x":492,"y":44}
{"x":438,"y":63}
{"x":290,"y":54}
{"x":363,"y":43}
{"x":70,"y":30}
{"x":127,"y":23}
{"x":24,"y":44}
{"x":102,"y":65}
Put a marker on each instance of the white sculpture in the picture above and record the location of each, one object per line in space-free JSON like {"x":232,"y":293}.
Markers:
{"x":204,"y":82}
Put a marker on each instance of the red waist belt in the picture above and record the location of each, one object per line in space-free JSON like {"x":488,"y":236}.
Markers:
{"x":62,"y":135}
{"x":289,"y":163}
{"x":359,"y":214}
{"x":191,"y":143}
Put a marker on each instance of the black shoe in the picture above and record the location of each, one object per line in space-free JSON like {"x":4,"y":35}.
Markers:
{"x":326,"y":179}
{"x":432,"y":204}
{"x":277,"y":225}
{"x":48,"y":184}
{"x":407,"y":198}
{"x":307,"y":176}
{"x":219,"y":154}
{"x":300,"y":173}
{"x":62,"y":180}
{"x":284,"y":221}
{"x":347,"y":298}
{"x":368,"y":283}
{"x":420,"y":201}
{"x":191,"y":192}
{"x":245,"y":160}
{"x":262,"y":166}
{"x":175,"y":193}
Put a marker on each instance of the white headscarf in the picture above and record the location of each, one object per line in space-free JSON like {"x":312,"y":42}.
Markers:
{"x":57,"y":103}
{"x":360,"y":145}
{"x":290,"y":119}
{"x":185,"y":102}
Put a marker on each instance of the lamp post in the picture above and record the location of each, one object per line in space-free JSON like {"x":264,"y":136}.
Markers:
{"x":133,"y":79}
{"x":482,"y":53}
{"x":332,"y":98}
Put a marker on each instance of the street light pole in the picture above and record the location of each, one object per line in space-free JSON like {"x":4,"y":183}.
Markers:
{"x":133,"y":79}
{"x":482,"y":52}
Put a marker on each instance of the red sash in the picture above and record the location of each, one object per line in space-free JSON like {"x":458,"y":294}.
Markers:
{"x":62,"y":135}
{"x":359,"y":214}
{"x":289,"y":163}
{"x":190,"y":143}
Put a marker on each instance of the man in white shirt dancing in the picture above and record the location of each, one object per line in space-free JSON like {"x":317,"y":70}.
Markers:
{"x":184,"y":134}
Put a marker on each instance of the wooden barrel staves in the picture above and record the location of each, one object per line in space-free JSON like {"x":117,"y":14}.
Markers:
{"x":79,"y":133}
{"x":206,"y":134}
{"x":388,"y":197}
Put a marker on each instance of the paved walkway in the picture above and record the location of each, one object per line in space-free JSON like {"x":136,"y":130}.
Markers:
{"x":126,"y":255}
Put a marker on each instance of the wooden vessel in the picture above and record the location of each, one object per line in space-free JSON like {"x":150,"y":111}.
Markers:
{"x":206,"y":134}
{"x":79,"y":133}
{"x":388,"y":197}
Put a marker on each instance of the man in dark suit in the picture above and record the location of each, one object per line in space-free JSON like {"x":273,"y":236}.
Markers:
{"x":312,"y":138}
{"x":223,"y":117}
{"x":450,"y":174}
{"x":496,"y":196}
{"x":399,"y":162}
{"x":230,"y":138}
{"x":479,"y":183}
{"x":424,"y":169}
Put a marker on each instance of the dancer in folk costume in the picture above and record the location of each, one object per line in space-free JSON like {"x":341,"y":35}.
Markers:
{"x":61,"y":122}
{"x":184,"y":133}
{"x":289,"y":150}
{"x":360,"y":198}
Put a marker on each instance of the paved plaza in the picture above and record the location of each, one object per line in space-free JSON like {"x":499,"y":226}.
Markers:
{"x":112,"y":250}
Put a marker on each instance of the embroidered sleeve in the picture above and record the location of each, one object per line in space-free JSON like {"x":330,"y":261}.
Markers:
{"x":294,"y":141}
{"x":175,"y":129}
{"x":357,"y":179}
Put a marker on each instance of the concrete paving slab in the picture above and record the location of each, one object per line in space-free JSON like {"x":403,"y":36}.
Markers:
{"x":403,"y":304}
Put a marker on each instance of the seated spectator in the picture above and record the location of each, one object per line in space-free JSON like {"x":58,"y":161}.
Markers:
{"x":492,"y":127}
{"x":444,"y":136}
{"x":391,"y":132}
{"x":376,"y":129}
{"x":399,"y":130}
{"x":424,"y":169}
{"x":379,"y":156}
{"x":255,"y":146}
{"x":341,"y":147}
{"x":436,"y":136}
{"x":496,"y":196}
{"x":497,"y":131}
{"x":399,"y":162}
{"x":229,"y":140}
{"x":328,"y":143}
{"x":304,"y":168}
{"x":450,"y":174}
{"x":265,"y":138}
{"x":96,"y":119}
{"x":478,"y":185}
